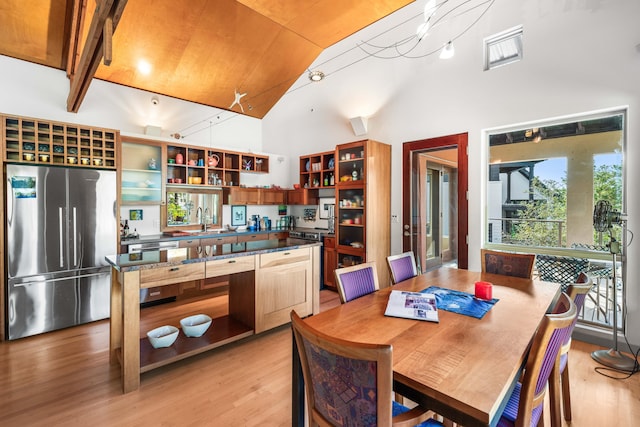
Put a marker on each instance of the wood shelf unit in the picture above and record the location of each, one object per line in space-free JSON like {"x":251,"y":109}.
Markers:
{"x":224,"y":170}
{"x":317,"y":170}
{"x":44,"y":142}
{"x":363,"y":205}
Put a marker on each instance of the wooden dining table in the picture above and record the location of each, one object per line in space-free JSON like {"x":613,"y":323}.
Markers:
{"x":461,"y":367}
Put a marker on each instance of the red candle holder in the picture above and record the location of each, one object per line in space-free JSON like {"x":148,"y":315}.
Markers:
{"x":484,"y":290}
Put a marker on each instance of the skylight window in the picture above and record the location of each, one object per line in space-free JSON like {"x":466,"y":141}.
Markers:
{"x":503,"y":48}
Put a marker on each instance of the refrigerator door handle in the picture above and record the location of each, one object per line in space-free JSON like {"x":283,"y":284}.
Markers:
{"x":75,"y":239}
{"x":79,"y":276}
{"x":60,"y":229}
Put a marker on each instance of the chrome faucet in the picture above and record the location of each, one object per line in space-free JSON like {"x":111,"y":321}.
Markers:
{"x":204,"y":218}
{"x":199,"y":216}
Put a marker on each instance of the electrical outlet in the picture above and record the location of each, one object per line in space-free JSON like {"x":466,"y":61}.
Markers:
{"x":394,"y":219}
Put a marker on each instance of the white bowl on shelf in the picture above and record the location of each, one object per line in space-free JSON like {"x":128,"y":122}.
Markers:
{"x":164,"y":336}
{"x":195,"y":326}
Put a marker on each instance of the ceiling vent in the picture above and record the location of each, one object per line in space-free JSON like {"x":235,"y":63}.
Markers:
{"x":503,"y":48}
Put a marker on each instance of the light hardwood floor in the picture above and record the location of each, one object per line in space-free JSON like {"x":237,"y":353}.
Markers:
{"x":64,"y":378}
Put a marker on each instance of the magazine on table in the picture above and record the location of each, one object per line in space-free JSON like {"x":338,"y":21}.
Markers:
{"x":412,"y":305}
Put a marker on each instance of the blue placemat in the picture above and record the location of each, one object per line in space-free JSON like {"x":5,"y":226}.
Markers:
{"x":460,"y":302}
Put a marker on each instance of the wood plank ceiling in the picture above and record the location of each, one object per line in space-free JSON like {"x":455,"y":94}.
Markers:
{"x":199,"y":50}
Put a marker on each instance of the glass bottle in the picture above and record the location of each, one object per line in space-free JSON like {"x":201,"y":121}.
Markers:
{"x":354,"y":174}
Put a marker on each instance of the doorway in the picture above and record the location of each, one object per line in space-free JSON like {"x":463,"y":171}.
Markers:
{"x":435,"y":222}
{"x":437,"y":206}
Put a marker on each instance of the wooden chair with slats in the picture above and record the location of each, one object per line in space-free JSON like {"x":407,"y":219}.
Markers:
{"x":577,"y":292}
{"x":402,"y":266}
{"x":526,"y":403}
{"x":356,"y":281}
{"x":507,"y":263}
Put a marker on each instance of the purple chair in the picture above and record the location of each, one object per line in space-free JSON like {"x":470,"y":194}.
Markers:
{"x":526,"y":403}
{"x":356,"y":281}
{"x":349,"y":383}
{"x":577,"y":292}
{"x":402,"y":266}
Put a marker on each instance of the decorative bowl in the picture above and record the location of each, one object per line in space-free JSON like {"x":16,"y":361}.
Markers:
{"x":195,"y":326}
{"x":163,"y":336}
{"x":231,"y":227}
{"x":197,"y":180}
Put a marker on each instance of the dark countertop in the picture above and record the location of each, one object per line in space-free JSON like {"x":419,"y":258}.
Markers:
{"x":165,"y":258}
{"x":149,"y":238}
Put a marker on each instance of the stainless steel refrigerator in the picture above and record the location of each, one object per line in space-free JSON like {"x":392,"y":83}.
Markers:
{"x":60,"y":224}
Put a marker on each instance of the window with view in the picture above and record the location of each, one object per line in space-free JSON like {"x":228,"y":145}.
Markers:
{"x":543,"y":182}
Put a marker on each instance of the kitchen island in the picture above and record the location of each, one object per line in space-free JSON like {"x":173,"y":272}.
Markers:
{"x":267,"y":279}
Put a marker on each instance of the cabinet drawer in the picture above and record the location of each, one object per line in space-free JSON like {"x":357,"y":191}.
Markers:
{"x":222,"y":240}
{"x":280,"y":235}
{"x":172,"y":274}
{"x":191,"y":243}
{"x":252,"y":237}
{"x":159,"y":292}
{"x":284,"y":257}
{"x":221,"y":267}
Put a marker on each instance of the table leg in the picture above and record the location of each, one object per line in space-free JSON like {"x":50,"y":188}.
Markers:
{"x":131,"y":331}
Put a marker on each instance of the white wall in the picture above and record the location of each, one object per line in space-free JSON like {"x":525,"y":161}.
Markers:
{"x":578,"y":57}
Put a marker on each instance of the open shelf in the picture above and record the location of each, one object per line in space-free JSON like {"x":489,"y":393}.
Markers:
{"x":223,"y":330}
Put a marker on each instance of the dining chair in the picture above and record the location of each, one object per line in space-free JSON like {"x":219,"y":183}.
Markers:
{"x":349,"y":383}
{"x":356,"y":280}
{"x":577,"y":292}
{"x":402,"y":266}
{"x":507,"y":263}
{"x":526,"y":403}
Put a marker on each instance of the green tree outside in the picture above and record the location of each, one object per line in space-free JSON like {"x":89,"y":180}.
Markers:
{"x":543,"y":222}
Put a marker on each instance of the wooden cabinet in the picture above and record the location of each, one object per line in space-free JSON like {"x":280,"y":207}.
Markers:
{"x":302,"y":196}
{"x":317,"y":170}
{"x":197,"y":165}
{"x":37,"y":141}
{"x":244,"y":196}
{"x":363,"y":199}
{"x":330,"y":262}
{"x":272,"y":196}
{"x":284,"y":282}
{"x":141,"y":173}
{"x":256,"y":196}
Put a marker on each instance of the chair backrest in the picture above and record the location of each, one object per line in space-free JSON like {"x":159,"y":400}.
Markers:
{"x":356,"y":281}
{"x":560,"y":269}
{"x":507,"y":263}
{"x":543,"y":355}
{"x":402,"y":266}
{"x":578,"y":292}
{"x":347,"y":383}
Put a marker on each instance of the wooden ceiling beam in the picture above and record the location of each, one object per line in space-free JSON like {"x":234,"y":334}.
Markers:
{"x":93,"y":50}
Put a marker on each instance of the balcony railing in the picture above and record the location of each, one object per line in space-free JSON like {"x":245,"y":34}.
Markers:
{"x":599,"y":304}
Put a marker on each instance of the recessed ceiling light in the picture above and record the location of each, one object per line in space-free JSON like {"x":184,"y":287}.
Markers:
{"x":144,"y":67}
{"x":316,"y":76}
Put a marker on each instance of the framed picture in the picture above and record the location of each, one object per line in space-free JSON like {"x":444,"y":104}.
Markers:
{"x":135,"y":214}
{"x":238,"y":215}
